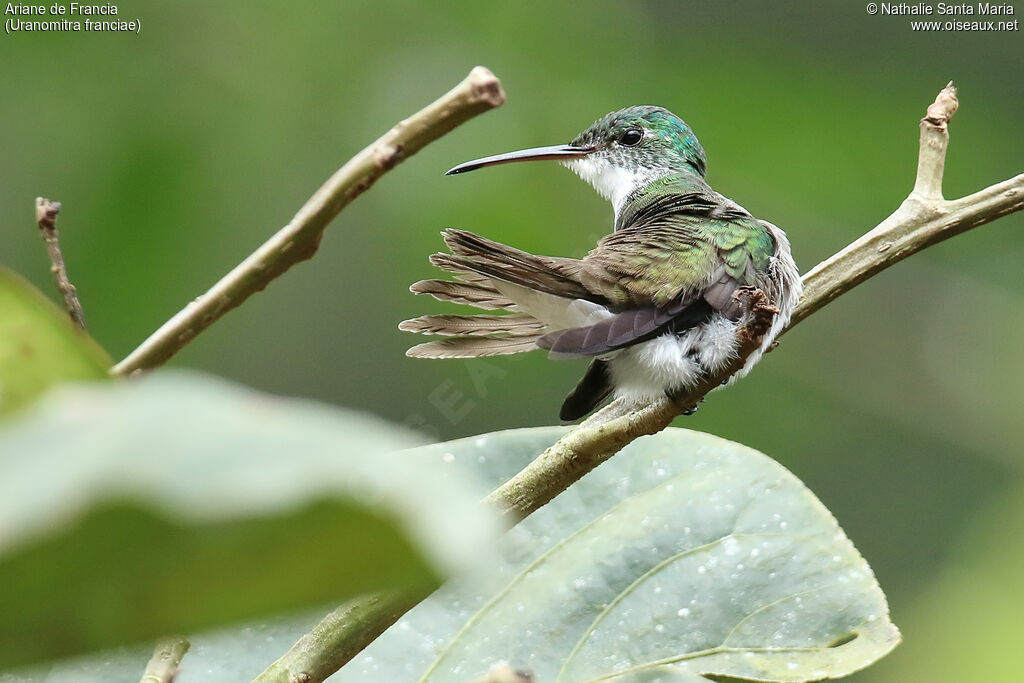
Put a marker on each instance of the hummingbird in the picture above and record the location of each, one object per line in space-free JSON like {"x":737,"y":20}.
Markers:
{"x":652,"y":304}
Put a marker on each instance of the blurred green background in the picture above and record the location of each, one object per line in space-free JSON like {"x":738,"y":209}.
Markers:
{"x":177,"y":151}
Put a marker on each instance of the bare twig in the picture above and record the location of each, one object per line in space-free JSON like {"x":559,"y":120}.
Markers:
{"x":922,"y":220}
{"x":46,"y":218}
{"x":931,"y":159}
{"x":167,"y":656}
{"x":297,"y":241}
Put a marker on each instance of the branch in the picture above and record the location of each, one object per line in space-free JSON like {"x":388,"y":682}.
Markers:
{"x":46,"y":218}
{"x":339,"y":637}
{"x":298,"y":241}
{"x":163,"y":666}
{"x":923,"y":219}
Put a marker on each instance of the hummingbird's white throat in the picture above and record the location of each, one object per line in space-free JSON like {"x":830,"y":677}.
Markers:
{"x":612,"y":182}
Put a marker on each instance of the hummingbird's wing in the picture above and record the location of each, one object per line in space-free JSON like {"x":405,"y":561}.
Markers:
{"x":678,"y":260}
{"x":676,"y":246}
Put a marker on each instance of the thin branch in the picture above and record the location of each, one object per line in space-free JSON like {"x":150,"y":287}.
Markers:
{"x":917,"y":224}
{"x":339,"y":637}
{"x":297,"y":241}
{"x":166,"y":660}
{"x":46,"y":218}
{"x":924,"y":219}
{"x":931,"y":159}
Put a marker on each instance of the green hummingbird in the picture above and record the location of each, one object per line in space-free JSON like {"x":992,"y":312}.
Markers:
{"x":652,"y":304}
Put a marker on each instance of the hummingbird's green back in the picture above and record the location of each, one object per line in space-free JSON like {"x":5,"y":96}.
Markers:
{"x":674,"y":236}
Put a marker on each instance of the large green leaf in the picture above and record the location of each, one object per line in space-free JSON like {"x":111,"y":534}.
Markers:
{"x":609,"y":569}
{"x":132,"y":509}
{"x":684,"y":555}
{"x":38,"y":345}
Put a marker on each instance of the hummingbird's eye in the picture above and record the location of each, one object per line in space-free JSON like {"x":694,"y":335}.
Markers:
{"x":631,"y":138}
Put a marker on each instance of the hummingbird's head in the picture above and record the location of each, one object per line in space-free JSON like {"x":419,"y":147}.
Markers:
{"x":642,"y":139}
{"x":620,"y":153}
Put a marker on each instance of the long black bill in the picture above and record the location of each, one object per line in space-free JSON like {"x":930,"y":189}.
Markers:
{"x":557,"y":152}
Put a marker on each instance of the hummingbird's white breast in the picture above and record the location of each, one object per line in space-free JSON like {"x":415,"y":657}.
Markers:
{"x":614,"y":183}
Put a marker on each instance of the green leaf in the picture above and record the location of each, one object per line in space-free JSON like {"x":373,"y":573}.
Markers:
{"x":684,"y":555}
{"x":566,"y":565}
{"x":38,"y":345}
{"x":175,"y":502}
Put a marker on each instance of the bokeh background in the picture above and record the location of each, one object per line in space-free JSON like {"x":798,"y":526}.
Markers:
{"x":177,"y":151}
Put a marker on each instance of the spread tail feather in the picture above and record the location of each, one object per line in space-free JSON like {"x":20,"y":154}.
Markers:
{"x":543,"y":291}
{"x":467,"y":293}
{"x":472,"y":347}
{"x":515,"y":325}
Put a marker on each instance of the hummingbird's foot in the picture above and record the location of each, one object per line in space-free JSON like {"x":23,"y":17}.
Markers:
{"x":678,"y":394}
{"x":758,"y":313}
